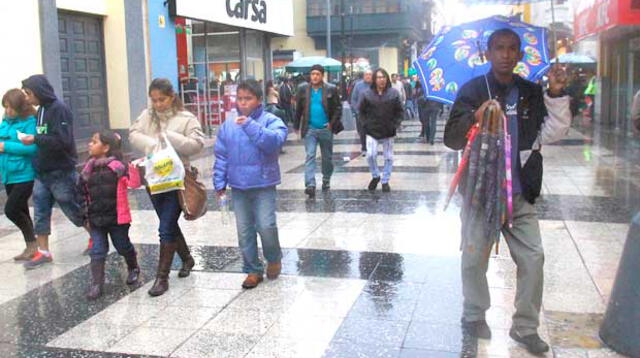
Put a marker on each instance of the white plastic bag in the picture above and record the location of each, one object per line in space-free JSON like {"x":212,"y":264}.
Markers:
{"x":164,"y":170}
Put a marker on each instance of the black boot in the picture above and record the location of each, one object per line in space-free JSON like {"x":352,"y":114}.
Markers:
{"x":185,"y":255}
{"x":161,"y":285}
{"x":97,"y":279}
{"x":133,"y":270}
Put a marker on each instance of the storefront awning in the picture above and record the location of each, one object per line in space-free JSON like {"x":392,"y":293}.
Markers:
{"x":273,"y":16}
{"x":596,"y":16}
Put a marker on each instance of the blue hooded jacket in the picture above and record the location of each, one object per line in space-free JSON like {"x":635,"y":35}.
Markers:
{"x":56,"y":145}
{"x":247,"y":155}
{"x":16,"y":160}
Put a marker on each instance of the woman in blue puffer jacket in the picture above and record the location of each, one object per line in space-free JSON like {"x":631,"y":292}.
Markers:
{"x":247,"y":151}
{"x":15,"y":165}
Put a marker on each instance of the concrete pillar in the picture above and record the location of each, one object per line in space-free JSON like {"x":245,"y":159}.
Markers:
{"x":388,"y":59}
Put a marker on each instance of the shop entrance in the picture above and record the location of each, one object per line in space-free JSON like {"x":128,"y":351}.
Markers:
{"x":82,"y":63}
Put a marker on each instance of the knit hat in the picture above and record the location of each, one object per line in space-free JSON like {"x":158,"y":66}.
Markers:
{"x":317,"y":68}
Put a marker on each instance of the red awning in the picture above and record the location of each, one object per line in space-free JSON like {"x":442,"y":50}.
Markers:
{"x":601,"y":15}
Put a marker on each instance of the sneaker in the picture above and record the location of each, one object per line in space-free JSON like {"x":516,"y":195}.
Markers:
{"x":87,"y":251}
{"x":364,"y":153}
{"x":310,"y":191}
{"x":532,"y":342}
{"x":373,"y":184}
{"x":478,"y":329}
{"x":386,"y":188}
{"x":38,"y":260}
{"x":326,"y":186}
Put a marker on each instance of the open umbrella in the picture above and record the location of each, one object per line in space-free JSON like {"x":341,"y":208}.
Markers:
{"x":455,"y":55}
{"x":303,"y":64}
{"x":518,"y":2}
{"x":574,"y":58}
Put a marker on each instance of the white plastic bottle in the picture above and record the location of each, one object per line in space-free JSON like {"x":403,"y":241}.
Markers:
{"x":223,"y":204}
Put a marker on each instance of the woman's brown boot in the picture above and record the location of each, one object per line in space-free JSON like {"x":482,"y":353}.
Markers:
{"x":161,"y":285}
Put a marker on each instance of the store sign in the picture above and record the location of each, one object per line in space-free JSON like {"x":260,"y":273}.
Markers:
{"x":275,"y":16}
{"x":596,"y":16}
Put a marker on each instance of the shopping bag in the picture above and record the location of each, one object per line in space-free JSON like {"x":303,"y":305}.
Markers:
{"x":193,"y":199}
{"x":164,"y":170}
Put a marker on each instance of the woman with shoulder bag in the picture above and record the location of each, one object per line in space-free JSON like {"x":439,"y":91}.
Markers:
{"x":167,"y":119}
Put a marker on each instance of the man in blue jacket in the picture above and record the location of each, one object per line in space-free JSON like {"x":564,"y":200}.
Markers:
{"x":55,"y":164}
{"x":247,"y":152}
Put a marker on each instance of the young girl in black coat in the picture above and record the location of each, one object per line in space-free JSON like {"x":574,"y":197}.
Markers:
{"x":104,"y":182}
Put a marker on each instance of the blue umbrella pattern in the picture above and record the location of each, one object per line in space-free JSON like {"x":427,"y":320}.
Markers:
{"x":455,"y":55}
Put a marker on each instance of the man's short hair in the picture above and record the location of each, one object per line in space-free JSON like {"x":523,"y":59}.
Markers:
{"x":252,"y":86}
{"x":502,"y":33}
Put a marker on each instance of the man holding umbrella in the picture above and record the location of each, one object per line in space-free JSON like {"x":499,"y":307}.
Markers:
{"x":534,"y":118}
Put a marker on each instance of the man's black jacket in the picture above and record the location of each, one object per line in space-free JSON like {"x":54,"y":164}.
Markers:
{"x":330,"y":102}
{"x":531,"y":115}
{"x":381,"y":114}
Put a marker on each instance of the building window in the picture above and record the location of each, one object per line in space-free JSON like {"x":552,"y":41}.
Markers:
{"x":319,"y":7}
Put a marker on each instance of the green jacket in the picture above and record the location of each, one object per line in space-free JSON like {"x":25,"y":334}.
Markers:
{"x":15,"y":161}
{"x":591,"y":87}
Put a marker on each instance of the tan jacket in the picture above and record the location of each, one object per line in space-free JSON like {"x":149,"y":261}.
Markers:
{"x":183,"y":131}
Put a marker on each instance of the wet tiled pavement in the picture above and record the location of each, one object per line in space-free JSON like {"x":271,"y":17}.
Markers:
{"x":364,"y":274}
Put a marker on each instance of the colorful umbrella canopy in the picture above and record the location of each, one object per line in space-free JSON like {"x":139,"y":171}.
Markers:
{"x":303,"y":64}
{"x":455,"y":55}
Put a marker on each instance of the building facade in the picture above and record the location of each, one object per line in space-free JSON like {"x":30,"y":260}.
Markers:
{"x":387,"y":33}
{"x":615,"y":27}
{"x":89,"y":51}
{"x":100,"y":55}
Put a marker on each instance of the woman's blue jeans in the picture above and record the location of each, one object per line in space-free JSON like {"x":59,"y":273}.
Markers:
{"x":167,"y":206}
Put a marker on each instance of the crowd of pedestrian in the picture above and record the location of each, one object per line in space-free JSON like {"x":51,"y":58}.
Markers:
{"x":38,"y":154}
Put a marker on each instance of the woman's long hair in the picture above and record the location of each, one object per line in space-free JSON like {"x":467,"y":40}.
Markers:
{"x":166,"y":88}
{"x":17,"y":100}
{"x":375,"y":78}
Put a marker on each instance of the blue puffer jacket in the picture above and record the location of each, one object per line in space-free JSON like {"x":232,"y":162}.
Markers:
{"x":15,"y":161}
{"x":247,"y":155}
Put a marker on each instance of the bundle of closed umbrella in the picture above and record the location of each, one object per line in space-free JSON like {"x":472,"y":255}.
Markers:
{"x":486,"y":164}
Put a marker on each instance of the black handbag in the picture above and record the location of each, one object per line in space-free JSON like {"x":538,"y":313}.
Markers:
{"x":531,"y":177}
{"x":337,"y":127}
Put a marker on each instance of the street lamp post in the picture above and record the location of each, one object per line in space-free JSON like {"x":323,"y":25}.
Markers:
{"x":343,"y":44}
{"x":329,"y":28}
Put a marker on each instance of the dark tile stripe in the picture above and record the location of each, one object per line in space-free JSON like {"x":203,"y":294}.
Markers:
{"x":28,"y":322}
{"x":550,"y":207}
{"x":340,"y":168}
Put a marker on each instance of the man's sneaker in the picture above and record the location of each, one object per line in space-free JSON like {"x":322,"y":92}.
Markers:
{"x":386,"y":188}
{"x":38,"y":260}
{"x":310,"y":191}
{"x":532,"y":342}
{"x":373,"y":184}
{"x":478,"y":329}
{"x":326,"y":186}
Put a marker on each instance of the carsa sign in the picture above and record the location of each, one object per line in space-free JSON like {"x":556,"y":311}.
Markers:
{"x":595,"y":16}
{"x":275,"y":16}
